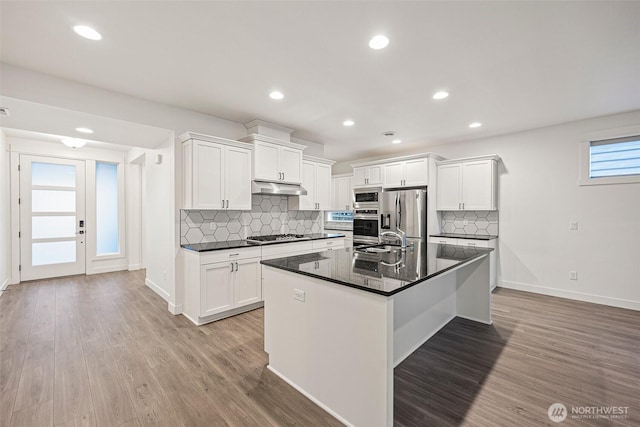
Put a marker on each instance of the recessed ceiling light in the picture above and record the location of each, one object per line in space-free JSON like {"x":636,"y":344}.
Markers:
{"x":276,"y":95}
{"x":87,"y":32}
{"x":348,"y":123}
{"x":440,"y":95}
{"x":84,"y":130}
{"x":74,"y":142}
{"x":396,"y":141}
{"x":378,"y":42}
{"x":475,"y":125}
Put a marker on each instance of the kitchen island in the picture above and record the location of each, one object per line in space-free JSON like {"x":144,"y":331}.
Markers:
{"x":338,"y":322}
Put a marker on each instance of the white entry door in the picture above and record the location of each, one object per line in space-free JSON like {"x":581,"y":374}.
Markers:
{"x":52,"y":221}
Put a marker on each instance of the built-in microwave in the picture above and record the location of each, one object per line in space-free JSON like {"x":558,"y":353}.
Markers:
{"x":366,"y":197}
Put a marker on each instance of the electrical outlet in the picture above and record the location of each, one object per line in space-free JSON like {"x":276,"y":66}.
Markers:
{"x":298,"y":295}
{"x":573,"y":275}
{"x":212,"y":226}
{"x":573,"y":225}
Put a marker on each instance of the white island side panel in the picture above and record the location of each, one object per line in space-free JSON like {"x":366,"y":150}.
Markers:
{"x":336,"y":346}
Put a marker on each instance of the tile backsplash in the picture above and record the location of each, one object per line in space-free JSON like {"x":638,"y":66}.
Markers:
{"x":268,"y":215}
{"x":477,"y":222}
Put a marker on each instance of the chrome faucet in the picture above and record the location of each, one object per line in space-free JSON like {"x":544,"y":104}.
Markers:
{"x":402,"y":236}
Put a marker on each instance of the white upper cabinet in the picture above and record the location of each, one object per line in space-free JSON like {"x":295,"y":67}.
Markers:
{"x":316,"y":179}
{"x":467,"y":184}
{"x":217,"y":173}
{"x":341,"y":193}
{"x":367,"y":176}
{"x":276,"y":160}
{"x":406,"y":173}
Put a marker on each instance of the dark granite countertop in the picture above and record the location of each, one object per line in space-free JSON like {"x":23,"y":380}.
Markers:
{"x":381,"y":273}
{"x":466,"y":236}
{"x":235,"y":244}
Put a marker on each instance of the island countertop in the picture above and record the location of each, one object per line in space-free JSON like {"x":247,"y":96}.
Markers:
{"x":381,"y":273}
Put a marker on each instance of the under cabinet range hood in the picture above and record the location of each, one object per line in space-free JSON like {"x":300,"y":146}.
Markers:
{"x":264,"y":187}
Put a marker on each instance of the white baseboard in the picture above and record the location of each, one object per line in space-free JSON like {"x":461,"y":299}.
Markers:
{"x":134,"y":267}
{"x":175,"y":309}
{"x":310,"y":397}
{"x":4,"y":284}
{"x":596,"y":299}
{"x":109,"y":269}
{"x":157,"y":289}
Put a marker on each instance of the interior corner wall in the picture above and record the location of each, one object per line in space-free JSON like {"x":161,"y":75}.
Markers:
{"x":5,"y":223}
{"x":539,"y":196}
{"x":159,"y":220}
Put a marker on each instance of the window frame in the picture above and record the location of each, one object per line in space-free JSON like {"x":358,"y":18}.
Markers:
{"x":121,"y":214}
{"x":585,"y":160}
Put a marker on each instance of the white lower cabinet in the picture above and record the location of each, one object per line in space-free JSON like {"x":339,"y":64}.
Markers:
{"x":224,"y":283}
{"x":219,"y":284}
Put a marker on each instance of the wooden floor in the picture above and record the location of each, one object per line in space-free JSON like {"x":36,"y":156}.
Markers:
{"x":103,"y":350}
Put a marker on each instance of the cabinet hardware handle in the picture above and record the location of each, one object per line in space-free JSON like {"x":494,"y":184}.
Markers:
{"x":232,"y":267}
{"x":283,"y":176}
{"x":236,"y":266}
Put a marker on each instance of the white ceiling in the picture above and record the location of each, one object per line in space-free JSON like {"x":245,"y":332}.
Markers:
{"x":510,"y":65}
{"x":49,"y":123}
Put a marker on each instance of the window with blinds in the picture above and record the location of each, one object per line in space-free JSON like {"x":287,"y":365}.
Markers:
{"x":618,"y":157}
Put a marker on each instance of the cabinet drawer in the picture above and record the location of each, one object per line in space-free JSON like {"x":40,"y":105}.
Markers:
{"x":229,"y":254}
{"x":444,"y":240}
{"x":282,"y":249}
{"x":474,"y":243}
{"x":328,"y":244}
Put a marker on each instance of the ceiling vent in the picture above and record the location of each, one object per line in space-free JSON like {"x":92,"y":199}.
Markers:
{"x":389,"y":133}
{"x":4,"y":111}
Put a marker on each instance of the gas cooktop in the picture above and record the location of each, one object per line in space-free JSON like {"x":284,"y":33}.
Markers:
{"x":276,"y":238}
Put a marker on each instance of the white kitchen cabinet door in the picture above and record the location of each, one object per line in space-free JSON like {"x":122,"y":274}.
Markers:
{"x":216,"y":288}
{"x":207,"y":176}
{"x":449,"y":187}
{"x":367,"y":176}
{"x":360,"y":176}
{"x":416,"y":172}
{"x":335,"y":195}
{"x":323,"y":186}
{"x":393,"y":174}
{"x":247,"y":282}
{"x":308,"y":202}
{"x":375,"y":175}
{"x":290,"y":164}
{"x":478,"y":186}
{"x":237,"y":178}
{"x":266,"y":161}
{"x":345,"y":194}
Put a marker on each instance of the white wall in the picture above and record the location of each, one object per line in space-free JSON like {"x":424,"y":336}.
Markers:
{"x":5,"y":223}
{"x":539,"y":196}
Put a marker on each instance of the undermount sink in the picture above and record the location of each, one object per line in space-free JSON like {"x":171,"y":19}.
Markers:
{"x":380,"y":249}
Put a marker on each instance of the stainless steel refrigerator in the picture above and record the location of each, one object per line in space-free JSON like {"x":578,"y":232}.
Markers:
{"x":406,"y":210}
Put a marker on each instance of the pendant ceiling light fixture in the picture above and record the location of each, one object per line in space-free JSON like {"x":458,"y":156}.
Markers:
{"x":74,"y":142}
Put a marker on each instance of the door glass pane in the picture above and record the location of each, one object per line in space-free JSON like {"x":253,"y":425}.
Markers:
{"x":53,"y":175}
{"x":106,"y":208}
{"x":53,"y":252}
{"x":46,"y":227}
{"x":53,"y":201}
